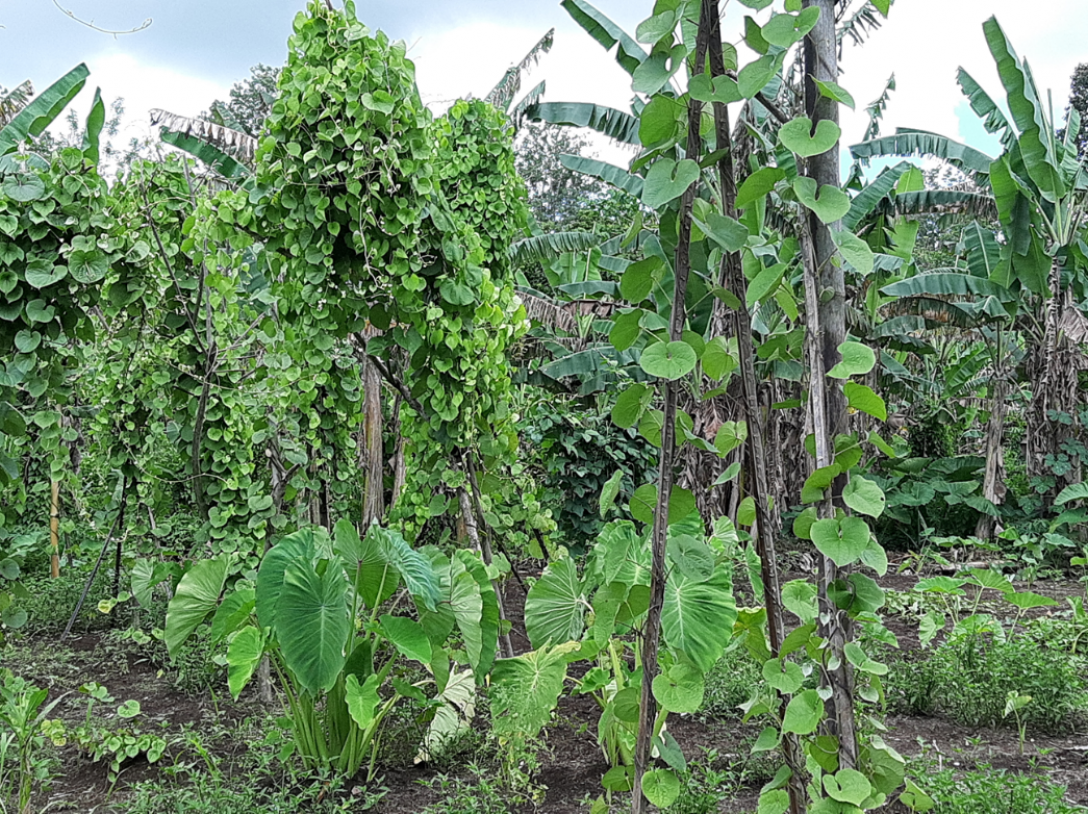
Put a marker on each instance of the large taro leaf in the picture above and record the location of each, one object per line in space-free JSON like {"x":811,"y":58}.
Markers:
{"x":697,"y":618}
{"x":525,"y":690}
{"x":312,"y":623}
{"x":555,"y":605}
{"x":243,"y":655}
{"x":440,"y":622}
{"x":197,"y":596}
{"x":297,"y":546}
{"x":373,"y":577}
{"x":414,"y":568}
{"x":481,"y":628}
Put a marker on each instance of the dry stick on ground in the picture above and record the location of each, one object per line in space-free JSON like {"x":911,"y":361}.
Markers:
{"x":733,"y":279}
{"x":824,"y":283}
{"x":652,"y":632}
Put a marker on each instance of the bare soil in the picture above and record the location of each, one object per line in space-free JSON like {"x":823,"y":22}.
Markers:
{"x":571,"y":763}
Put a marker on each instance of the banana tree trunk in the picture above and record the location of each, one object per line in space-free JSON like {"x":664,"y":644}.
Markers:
{"x":993,"y":482}
{"x":826,"y":298}
{"x":1054,"y":389}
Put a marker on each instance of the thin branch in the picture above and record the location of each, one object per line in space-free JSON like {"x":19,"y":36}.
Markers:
{"x":90,"y":23}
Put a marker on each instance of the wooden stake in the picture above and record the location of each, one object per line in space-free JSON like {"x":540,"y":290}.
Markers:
{"x":54,"y":531}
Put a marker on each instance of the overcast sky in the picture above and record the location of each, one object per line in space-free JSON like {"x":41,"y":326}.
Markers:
{"x":195,"y":49}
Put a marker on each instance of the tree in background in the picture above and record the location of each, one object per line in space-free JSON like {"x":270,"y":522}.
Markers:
{"x":1078,"y":100}
{"x":250,"y":101}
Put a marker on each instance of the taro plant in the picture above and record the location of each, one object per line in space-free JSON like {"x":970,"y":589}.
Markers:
{"x":323,"y":611}
{"x":590,"y":614}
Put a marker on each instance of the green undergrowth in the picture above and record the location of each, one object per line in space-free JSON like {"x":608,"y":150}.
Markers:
{"x":969,"y":680}
{"x":993,"y":791}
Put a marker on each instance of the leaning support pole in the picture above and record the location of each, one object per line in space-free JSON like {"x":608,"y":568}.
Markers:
{"x":651,"y":635}
{"x":118,"y":524}
{"x":733,"y":279}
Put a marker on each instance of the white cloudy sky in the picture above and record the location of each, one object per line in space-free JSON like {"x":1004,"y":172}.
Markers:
{"x":195,"y":49}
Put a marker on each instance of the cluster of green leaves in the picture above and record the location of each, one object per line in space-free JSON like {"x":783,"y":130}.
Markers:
{"x":578,"y":451}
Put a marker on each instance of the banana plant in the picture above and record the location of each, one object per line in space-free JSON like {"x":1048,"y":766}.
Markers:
{"x":321,"y":612}
{"x":1037,"y":187}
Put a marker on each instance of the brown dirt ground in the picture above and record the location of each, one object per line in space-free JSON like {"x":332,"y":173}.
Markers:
{"x":571,"y":764}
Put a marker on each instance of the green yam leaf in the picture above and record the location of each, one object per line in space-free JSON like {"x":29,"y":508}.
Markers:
{"x":680,"y":688}
{"x":667,"y":180}
{"x":864,"y":496}
{"x":862,"y":398}
{"x":798,"y":135}
{"x":803,"y":713}
{"x":857,"y":360}
{"x":672,"y":360}
{"x":661,"y":787}
{"x":830,"y":205}
{"x":758,"y":184}
{"x":841,"y":540}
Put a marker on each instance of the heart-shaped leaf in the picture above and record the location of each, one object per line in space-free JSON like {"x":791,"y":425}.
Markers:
{"x":855,"y":250}
{"x":721,"y":89}
{"x":661,"y":787}
{"x":27,"y":341}
{"x":655,"y":71}
{"x":864,"y":496}
{"x":625,"y":329}
{"x":24,"y":187}
{"x":667,"y":180}
{"x":9,"y":224}
{"x":87,"y":267}
{"x":857,"y":360}
{"x":670,"y":360}
{"x":656,"y":28}
{"x":784,"y":30}
{"x":758,"y":184}
{"x":41,"y":273}
{"x":841,"y":540}
{"x":729,"y":234}
{"x":803,"y":713}
{"x":38,"y":311}
{"x":797,"y":135}
{"x":680,"y":688}
{"x":836,"y":92}
{"x":659,"y":121}
{"x":831,"y":205}
{"x":863,"y":399}
{"x":630,"y":405}
{"x":639,"y":279}
{"x":848,"y":786}
{"x":784,"y":676}
{"x":754,"y":76}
